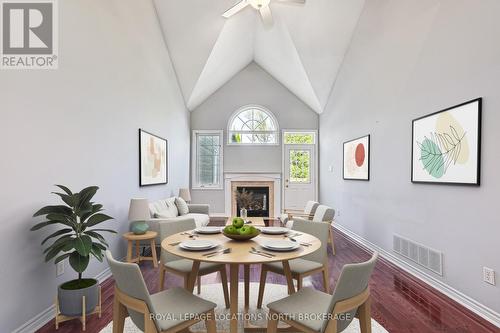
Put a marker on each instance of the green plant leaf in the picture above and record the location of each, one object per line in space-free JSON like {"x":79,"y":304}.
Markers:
{"x":95,"y":209}
{"x":105,"y":230}
{"x":43,"y":224}
{"x":57,"y":233}
{"x":64,"y":241}
{"x":96,"y":219}
{"x":85,"y":196}
{"x":53,"y":252}
{"x":96,"y":251}
{"x":68,"y":199}
{"x":96,"y":236}
{"x":58,"y":209}
{"x":83,"y":245}
{"x":65,"y":189}
{"x":61,"y":258}
{"x":102,"y":247}
{"x":78,"y":263}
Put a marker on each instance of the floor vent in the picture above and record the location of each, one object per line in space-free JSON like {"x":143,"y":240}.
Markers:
{"x":422,"y":255}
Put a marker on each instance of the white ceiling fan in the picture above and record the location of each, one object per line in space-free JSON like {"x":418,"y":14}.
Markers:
{"x":261,"y":5}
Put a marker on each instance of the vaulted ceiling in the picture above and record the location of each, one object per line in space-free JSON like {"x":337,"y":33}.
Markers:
{"x":303,"y":50}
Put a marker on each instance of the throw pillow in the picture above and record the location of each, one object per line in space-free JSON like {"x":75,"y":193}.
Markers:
{"x":181,"y":206}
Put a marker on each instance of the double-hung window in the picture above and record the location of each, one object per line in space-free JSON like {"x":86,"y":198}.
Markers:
{"x":207,"y":159}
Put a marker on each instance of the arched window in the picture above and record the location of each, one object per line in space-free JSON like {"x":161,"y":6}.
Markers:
{"x":253,"y":125}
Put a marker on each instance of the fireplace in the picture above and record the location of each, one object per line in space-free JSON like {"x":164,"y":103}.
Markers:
{"x":259,"y":206}
{"x":251,"y":181}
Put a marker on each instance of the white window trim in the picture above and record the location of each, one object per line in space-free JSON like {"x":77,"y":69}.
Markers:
{"x":276,"y":132}
{"x":194,"y":160}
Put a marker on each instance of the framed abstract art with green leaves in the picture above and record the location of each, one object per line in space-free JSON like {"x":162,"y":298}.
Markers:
{"x":447,"y":146}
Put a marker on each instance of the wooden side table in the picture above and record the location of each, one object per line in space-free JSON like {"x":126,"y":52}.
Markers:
{"x":131,"y":238}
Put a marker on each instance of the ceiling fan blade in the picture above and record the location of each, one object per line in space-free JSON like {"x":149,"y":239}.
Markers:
{"x":293,"y":1}
{"x":267,"y":16}
{"x":235,"y":9}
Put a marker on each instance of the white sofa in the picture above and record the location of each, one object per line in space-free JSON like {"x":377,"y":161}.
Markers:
{"x":165,"y":210}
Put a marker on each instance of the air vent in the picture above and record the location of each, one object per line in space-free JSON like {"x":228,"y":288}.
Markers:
{"x":422,"y":255}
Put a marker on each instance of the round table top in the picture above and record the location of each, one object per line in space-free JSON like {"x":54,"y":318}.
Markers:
{"x":146,"y":236}
{"x":240,"y":250}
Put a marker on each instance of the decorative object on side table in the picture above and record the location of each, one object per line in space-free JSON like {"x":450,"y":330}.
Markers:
{"x":185,"y":194}
{"x":446,"y":146}
{"x":147,"y":236}
{"x":77,"y":242}
{"x":138,"y":214}
{"x":357,"y":159}
{"x":153,"y":164}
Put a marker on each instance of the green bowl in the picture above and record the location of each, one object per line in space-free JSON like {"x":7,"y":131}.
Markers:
{"x":242,"y":238}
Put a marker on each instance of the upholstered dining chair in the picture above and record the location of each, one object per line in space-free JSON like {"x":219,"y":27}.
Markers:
{"x":310,"y":310}
{"x":179,"y":266}
{"x":308,"y":213}
{"x":164,"y":312}
{"x":324,"y":214}
{"x":316,"y":262}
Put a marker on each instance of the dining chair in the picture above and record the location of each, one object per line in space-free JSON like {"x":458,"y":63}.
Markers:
{"x":324,"y":214}
{"x":310,"y":310}
{"x":308,"y":213}
{"x":316,"y":262}
{"x":165,"y":311}
{"x":179,"y":266}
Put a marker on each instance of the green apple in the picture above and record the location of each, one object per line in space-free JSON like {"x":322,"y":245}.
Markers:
{"x":253,"y":229}
{"x":245,"y":231}
{"x":238,"y":222}
{"x":231,"y":230}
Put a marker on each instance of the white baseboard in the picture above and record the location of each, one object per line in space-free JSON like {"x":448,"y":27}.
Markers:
{"x":47,"y":315}
{"x":459,"y":297}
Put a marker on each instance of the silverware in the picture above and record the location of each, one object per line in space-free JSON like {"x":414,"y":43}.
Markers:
{"x":292,"y":235}
{"x":213,"y":252}
{"x":259,"y":251}
{"x":260,"y":254}
{"x":191,"y":235}
{"x":306,"y":244}
{"x":225,"y":251}
{"x":302,"y":243}
{"x":174,"y":244}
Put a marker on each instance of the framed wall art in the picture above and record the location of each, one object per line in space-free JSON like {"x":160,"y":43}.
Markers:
{"x":446,"y":146}
{"x":357,"y":159}
{"x":153,"y":159}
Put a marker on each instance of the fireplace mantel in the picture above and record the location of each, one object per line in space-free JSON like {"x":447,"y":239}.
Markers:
{"x":252,"y":177}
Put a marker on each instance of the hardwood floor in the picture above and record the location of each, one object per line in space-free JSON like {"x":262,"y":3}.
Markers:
{"x":400,"y":302}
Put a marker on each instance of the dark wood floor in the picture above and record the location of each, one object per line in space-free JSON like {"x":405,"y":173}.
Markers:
{"x":400,"y":302}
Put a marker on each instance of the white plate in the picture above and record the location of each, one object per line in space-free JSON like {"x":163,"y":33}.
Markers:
{"x":197,"y":245}
{"x":274,"y":230}
{"x":280,"y":245}
{"x":208,"y":230}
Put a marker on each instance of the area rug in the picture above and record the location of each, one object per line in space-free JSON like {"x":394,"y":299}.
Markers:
{"x":213,"y":292}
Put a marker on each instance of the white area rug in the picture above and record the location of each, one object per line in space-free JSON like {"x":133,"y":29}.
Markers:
{"x":213,"y":292}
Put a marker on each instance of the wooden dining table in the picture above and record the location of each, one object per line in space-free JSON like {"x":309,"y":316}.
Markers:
{"x":240,"y":255}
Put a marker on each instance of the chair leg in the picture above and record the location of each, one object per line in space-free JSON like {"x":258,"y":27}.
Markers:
{"x":210,"y":322}
{"x":223,"y":277}
{"x":326,"y":280}
{"x":262,"y":285}
{"x":162,"y":278}
{"x":331,"y":240}
{"x":299,"y":282}
{"x":272,"y":323}
{"x":364,"y":316}
{"x":119,"y":315}
{"x":149,"y":325}
{"x":199,"y":284}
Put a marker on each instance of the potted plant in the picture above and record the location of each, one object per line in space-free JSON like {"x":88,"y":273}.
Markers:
{"x":76,"y":241}
{"x":244,"y":200}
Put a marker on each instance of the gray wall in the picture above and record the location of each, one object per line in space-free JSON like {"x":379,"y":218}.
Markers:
{"x":408,"y":59}
{"x":252,"y":85}
{"x":78,"y":126}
